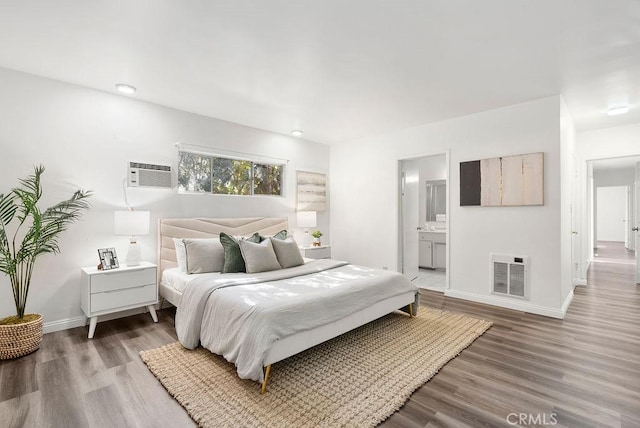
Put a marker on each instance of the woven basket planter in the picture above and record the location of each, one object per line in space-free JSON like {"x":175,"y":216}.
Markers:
{"x":17,"y":340}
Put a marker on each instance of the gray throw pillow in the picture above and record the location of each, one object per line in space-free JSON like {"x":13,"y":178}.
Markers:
{"x":233,"y":261}
{"x":203,"y":255}
{"x":259,"y":257}
{"x":287,"y":252}
{"x":280,"y":235}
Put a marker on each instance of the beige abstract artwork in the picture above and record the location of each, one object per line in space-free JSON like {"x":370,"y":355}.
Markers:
{"x":503,"y":181}
{"x":311,"y":191}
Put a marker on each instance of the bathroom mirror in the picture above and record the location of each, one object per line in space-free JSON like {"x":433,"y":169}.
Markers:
{"x":436,"y":197}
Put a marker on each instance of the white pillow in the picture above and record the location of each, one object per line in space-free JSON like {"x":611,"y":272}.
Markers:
{"x":259,"y":257}
{"x":287,"y":252}
{"x":181,"y":254}
{"x":202,"y":255}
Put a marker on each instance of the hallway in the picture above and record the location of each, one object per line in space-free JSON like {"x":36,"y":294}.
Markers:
{"x":613,"y":252}
{"x":614,"y":267}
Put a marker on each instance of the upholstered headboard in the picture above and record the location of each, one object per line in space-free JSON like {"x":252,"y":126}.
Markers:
{"x":208,"y":228}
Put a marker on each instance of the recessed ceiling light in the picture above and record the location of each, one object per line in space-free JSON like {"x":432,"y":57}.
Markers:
{"x":617,"y":110}
{"x":296,"y":133}
{"x":126,"y":89}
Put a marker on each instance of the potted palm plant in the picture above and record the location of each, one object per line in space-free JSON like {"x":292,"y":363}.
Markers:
{"x":27,"y":232}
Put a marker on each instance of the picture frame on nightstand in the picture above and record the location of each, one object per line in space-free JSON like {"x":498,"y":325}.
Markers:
{"x":108,"y":258}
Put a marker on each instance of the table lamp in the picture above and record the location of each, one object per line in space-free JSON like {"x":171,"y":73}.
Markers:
{"x":132,"y":224}
{"x":306,"y":219}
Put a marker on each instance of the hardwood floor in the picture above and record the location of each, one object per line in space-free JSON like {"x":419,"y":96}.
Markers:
{"x":613,"y":252}
{"x":583,"y":371}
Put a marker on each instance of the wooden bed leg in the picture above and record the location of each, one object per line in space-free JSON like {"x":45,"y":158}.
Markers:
{"x":411,"y":310}
{"x":267,"y":371}
{"x":161,"y":303}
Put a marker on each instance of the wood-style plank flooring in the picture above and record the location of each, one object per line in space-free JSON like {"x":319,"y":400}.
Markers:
{"x":613,"y":252}
{"x":583,"y":371}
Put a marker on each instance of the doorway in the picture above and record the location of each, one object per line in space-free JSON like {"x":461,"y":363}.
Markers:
{"x":423,"y":220}
{"x":615,"y":214}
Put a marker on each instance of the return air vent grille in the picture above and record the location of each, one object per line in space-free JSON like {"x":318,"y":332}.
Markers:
{"x":149,"y":175}
{"x":509,"y":275}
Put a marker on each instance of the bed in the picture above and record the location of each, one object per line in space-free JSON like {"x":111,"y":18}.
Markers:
{"x":292,"y":309}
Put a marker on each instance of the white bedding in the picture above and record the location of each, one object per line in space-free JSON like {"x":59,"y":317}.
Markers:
{"x":179,"y":280}
{"x":240,"y":316}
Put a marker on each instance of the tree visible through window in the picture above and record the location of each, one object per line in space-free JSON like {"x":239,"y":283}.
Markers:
{"x":201,"y":173}
{"x":194,"y":172}
{"x":267,"y":179}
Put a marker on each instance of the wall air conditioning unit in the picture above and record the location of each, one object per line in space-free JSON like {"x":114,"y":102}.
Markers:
{"x":510,"y":275}
{"x":149,"y":175}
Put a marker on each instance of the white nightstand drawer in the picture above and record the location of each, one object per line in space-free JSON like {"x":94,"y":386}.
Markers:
{"x":323,"y":252}
{"x":121,"y":298}
{"x":118,"y":280}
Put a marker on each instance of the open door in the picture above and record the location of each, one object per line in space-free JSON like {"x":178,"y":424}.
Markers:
{"x":636,"y":218}
{"x":410,"y":214}
{"x":630,"y":236}
{"x":575,"y":226}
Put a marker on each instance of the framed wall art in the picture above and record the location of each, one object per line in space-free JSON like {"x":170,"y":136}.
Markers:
{"x":504,"y":181}
{"x":311,"y":191}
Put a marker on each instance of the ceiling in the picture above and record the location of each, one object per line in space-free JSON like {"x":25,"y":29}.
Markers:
{"x":339,"y":70}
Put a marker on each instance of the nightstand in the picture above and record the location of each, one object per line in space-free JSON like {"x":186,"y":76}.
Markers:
{"x":321,"y":252}
{"x":115,"y":290}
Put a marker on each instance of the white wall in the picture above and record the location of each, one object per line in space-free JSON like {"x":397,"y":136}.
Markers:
{"x":364,"y":200}
{"x":614,"y":177}
{"x":600,"y":144}
{"x":612,"y":211}
{"x":607,"y":143}
{"x":85,"y":139}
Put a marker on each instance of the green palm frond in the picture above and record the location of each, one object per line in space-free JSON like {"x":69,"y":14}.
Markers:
{"x":8,"y":209}
{"x":40,"y":234}
{"x":32,"y":182}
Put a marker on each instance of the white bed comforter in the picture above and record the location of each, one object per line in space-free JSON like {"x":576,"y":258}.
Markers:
{"x":247,"y":313}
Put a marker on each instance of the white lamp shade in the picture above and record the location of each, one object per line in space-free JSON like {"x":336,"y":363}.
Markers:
{"x":307,"y":218}
{"x":131,"y":223}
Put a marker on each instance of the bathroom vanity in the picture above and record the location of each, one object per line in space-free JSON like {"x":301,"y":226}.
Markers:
{"x":432,"y":250}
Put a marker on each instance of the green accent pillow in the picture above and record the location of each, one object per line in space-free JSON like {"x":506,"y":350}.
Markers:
{"x":280,"y":235}
{"x":233,"y":261}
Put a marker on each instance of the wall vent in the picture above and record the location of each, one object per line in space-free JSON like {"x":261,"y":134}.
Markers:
{"x":149,"y":175}
{"x":510,"y":275}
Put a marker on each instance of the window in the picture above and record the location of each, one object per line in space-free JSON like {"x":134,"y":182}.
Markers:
{"x":267,"y":179}
{"x":200,"y":173}
{"x":194,"y":173}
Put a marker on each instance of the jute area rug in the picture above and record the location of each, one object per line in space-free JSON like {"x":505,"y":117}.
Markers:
{"x":357,"y":379}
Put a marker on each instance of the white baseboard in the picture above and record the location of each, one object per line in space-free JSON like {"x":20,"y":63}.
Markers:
{"x":567,"y":302}
{"x":65,"y":324}
{"x":583,"y":281}
{"x":431,"y":288}
{"x":518,"y":305}
{"x":81,"y":321}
